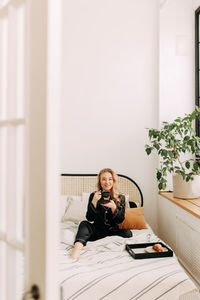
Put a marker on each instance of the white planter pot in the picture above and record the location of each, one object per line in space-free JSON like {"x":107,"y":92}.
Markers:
{"x":186,"y":190}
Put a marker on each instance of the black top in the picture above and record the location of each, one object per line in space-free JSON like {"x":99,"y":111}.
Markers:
{"x":103,"y":217}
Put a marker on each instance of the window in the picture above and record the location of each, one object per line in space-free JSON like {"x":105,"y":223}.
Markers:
{"x":197,"y":65}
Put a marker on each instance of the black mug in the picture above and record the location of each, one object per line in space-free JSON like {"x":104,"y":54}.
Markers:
{"x":104,"y":195}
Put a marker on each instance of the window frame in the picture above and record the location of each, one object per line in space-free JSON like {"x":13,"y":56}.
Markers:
{"x":197,"y":66}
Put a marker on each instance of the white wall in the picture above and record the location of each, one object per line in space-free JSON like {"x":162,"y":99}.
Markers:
{"x":110,"y":79}
{"x":177,"y":60}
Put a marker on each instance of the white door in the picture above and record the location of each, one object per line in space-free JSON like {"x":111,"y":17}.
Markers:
{"x":29,"y":147}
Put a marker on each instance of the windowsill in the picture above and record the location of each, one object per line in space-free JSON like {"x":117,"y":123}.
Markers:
{"x":190,"y":205}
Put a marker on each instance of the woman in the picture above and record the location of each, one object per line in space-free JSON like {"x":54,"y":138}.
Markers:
{"x":105,"y":211}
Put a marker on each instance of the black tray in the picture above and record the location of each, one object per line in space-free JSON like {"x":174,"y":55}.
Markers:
{"x":130,"y":248}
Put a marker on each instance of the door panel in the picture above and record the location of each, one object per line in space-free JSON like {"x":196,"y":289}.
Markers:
{"x":11,"y":150}
{"x":29,"y":146}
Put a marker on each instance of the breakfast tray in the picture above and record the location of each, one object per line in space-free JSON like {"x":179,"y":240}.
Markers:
{"x":138,"y":251}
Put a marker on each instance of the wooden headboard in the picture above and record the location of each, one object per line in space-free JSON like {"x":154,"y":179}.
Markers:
{"x":75,"y":184}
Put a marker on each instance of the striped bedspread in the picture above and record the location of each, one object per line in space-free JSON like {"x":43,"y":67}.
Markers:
{"x":106,"y":271}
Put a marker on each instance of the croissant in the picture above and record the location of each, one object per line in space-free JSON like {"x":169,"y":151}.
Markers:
{"x":158,"y":248}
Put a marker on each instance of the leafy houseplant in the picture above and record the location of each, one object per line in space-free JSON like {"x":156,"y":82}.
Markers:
{"x":173,"y":142}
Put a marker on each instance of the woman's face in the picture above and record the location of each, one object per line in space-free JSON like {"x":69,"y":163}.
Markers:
{"x":106,"y":181}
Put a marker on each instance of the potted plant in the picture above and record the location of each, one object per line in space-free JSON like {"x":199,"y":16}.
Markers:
{"x":174,"y":142}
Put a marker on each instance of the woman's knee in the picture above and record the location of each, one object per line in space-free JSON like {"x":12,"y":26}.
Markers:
{"x":129,"y":233}
{"x":83,"y":224}
{"x":84,"y":232}
{"x":85,"y":227}
{"x":126,"y":233}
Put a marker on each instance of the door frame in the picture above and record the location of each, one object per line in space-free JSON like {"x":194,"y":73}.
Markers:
{"x":43,"y":146}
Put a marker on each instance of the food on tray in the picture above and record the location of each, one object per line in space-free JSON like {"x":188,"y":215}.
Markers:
{"x":158,"y":248}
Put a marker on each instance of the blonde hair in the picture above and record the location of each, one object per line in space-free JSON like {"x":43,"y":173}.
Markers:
{"x":114,"y":192}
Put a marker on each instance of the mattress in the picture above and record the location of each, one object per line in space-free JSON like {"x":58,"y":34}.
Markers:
{"x":105,"y":270}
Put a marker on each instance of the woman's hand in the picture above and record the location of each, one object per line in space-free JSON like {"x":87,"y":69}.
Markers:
{"x":111,"y":204}
{"x":96,"y":198}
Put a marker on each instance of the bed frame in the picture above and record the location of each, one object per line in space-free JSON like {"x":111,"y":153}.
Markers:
{"x":76,"y":184}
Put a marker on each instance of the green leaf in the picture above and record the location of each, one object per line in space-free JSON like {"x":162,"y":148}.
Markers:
{"x":186,"y":138}
{"x":191,"y":142}
{"x":156,"y":146}
{"x":150,"y":133}
{"x":178,"y":172}
{"x":148,"y":151}
{"x":188,"y":178}
{"x":163,"y":180}
{"x":187,"y":164}
{"x":164,"y":153}
{"x":197,"y":108}
{"x":160,"y":186}
{"x":178,"y":120}
{"x":196,"y":166}
{"x":159,"y":174}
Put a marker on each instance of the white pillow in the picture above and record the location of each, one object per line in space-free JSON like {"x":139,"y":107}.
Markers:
{"x":75,"y":210}
{"x":63,"y":204}
{"x":85,"y":197}
{"x":67,"y":236}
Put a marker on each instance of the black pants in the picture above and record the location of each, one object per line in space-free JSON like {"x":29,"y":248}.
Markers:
{"x":88,"y":232}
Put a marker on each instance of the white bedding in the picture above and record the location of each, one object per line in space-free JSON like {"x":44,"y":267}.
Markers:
{"x":106,"y":271}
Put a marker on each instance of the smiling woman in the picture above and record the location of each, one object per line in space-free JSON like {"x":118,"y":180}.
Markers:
{"x":105,"y":215}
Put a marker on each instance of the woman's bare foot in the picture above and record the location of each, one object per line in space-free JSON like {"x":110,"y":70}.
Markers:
{"x":75,"y":254}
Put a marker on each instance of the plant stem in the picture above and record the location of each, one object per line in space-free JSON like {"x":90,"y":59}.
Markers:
{"x":178,"y":158}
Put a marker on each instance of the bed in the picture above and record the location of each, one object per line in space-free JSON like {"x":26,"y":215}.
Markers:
{"x":105,"y":269}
